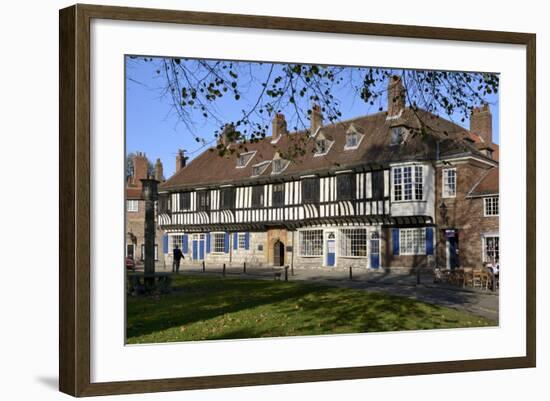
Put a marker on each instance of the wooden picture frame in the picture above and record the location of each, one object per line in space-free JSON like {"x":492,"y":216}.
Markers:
{"x":75,"y":208}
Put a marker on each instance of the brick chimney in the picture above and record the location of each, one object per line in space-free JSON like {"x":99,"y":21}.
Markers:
{"x":140,"y":168}
{"x":180,"y":160}
{"x":278,"y":126}
{"x":158,"y":171}
{"x":481,"y":123}
{"x":396,"y":96}
{"x":316,"y":118}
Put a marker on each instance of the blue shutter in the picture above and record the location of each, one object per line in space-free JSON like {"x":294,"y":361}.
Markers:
{"x":395,"y":240}
{"x":235,"y":240}
{"x":165,"y":243}
{"x":207,"y":242}
{"x":246,"y":241}
{"x":429,"y":241}
{"x":226,"y":243}
{"x":185,"y":244}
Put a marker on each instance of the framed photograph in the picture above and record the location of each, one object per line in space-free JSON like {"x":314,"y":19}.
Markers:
{"x":251,"y":200}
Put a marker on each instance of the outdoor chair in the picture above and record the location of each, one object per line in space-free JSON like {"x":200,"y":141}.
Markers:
{"x":476,"y":278}
{"x":468,"y":278}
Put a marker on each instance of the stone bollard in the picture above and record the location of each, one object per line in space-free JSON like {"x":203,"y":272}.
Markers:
{"x":223,"y":270}
{"x":203,"y":267}
{"x":286,"y":273}
{"x":244,"y":267}
{"x":350,"y":273}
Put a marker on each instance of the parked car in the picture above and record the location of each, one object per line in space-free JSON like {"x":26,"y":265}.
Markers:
{"x":130,"y":263}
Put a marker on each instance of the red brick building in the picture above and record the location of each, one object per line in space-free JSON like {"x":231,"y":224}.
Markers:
{"x":398,"y":189}
{"x":135,"y":210}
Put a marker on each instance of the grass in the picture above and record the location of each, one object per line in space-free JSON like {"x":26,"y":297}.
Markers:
{"x":209,"y":308}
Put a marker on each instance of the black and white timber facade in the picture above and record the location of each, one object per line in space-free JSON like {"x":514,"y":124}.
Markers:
{"x":363,"y":196}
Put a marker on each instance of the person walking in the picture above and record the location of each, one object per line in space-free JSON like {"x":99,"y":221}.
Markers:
{"x":178,"y":256}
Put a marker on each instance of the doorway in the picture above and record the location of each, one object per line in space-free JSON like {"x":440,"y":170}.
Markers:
{"x":198,"y":246}
{"x":278,"y":253}
{"x":331,"y":249}
{"x":452,"y":249}
{"x":374,"y":250}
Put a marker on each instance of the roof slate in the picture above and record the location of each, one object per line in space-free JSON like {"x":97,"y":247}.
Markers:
{"x":441,"y":136}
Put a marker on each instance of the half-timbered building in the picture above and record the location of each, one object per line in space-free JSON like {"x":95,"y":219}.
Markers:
{"x":367,"y":193}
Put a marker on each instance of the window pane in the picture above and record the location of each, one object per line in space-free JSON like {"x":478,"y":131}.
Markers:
{"x":278,"y":194}
{"x":311,"y":242}
{"x":345,"y":186}
{"x":407,"y":183}
{"x":412,"y":241}
{"x":218,"y":242}
{"x":353,"y":242}
{"x":397,"y":184}
{"x":310,"y":190}
{"x":418,"y":183}
{"x":258,"y":196}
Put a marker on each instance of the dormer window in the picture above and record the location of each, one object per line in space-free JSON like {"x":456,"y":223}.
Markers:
{"x":322,"y":145}
{"x":354,"y":136}
{"x":397,"y":135}
{"x":259,"y":168}
{"x":244,"y":159}
{"x":278,"y":164}
{"x":352,"y":140}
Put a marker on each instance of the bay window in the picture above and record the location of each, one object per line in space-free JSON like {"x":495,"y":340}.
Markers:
{"x":408,"y":183}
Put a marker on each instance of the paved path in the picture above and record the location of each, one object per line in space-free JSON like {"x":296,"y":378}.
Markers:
{"x":479,"y":302}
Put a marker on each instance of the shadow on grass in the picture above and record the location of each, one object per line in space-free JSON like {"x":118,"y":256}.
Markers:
{"x":201,"y":298}
{"x":216,"y":308}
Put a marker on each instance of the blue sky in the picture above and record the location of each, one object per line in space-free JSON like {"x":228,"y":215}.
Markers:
{"x":153,"y":127}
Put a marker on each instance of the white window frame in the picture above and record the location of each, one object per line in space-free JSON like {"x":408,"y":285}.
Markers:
{"x":319,"y":247}
{"x":484,"y":246}
{"x":132,"y":205}
{"x":176,"y":239}
{"x":263,"y":164}
{"x":416,"y":185}
{"x":493,"y":199}
{"x":241,"y":240}
{"x":214,"y":242}
{"x":412,"y":235}
{"x":344,"y":239}
{"x":445,"y":184}
{"x":251,"y":155}
{"x":359,"y":139}
{"x":284,"y":163}
{"x":328,"y":145}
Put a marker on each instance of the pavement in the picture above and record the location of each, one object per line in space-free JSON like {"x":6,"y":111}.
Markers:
{"x":475,"y":301}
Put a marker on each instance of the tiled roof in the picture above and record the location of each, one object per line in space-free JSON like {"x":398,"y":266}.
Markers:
{"x":375,"y":149}
{"x":488,"y":185}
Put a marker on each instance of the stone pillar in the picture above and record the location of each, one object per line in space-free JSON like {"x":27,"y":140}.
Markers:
{"x":149,"y":195}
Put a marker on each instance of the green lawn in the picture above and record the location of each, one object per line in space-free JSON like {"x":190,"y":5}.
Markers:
{"x":209,"y":307}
